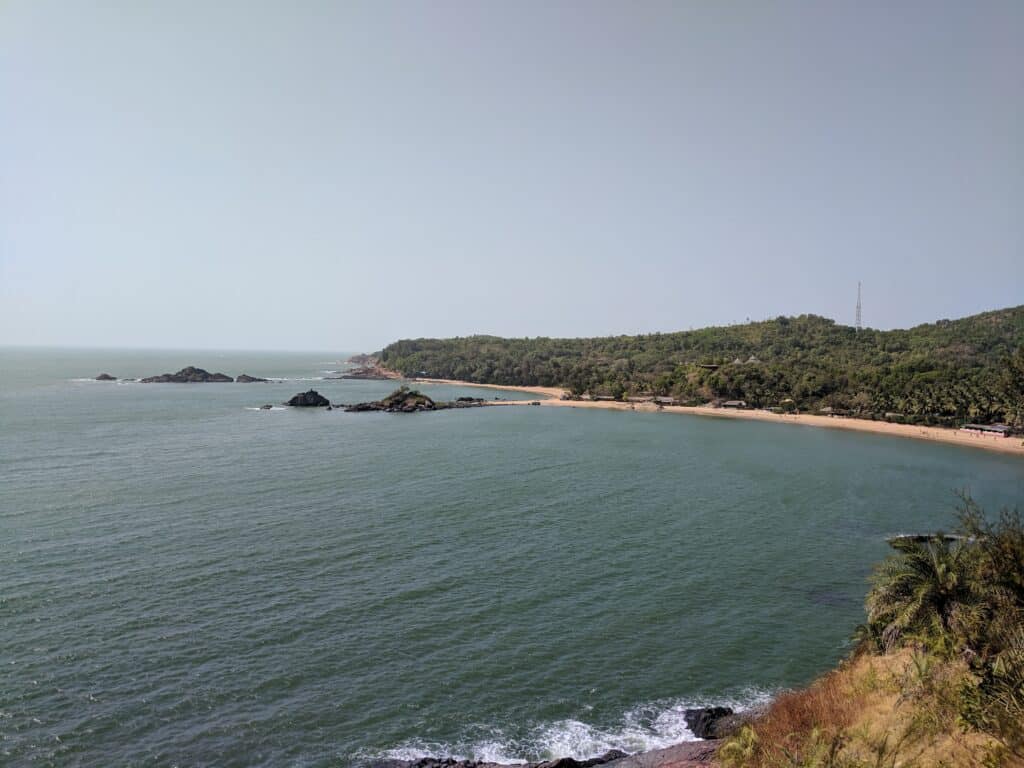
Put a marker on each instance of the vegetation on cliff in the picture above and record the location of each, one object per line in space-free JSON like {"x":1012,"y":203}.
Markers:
{"x":946,"y":372}
{"x":937,"y":678}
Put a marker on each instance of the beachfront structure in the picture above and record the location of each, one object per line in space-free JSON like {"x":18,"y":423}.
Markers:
{"x":640,"y":399}
{"x":992,"y":430}
{"x":665,"y":400}
{"x":734,"y":404}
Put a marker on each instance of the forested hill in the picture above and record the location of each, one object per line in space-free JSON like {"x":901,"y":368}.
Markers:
{"x":947,"y":372}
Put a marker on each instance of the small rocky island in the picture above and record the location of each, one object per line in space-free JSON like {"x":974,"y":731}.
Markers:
{"x":188,"y":375}
{"x":405,"y":400}
{"x":402,"y":400}
{"x":106,"y":377}
{"x":310,"y":399}
{"x":245,"y":378}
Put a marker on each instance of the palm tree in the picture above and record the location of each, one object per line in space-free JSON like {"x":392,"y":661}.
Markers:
{"x":925,"y":593}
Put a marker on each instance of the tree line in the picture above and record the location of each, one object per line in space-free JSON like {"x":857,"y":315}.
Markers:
{"x":948,"y":372}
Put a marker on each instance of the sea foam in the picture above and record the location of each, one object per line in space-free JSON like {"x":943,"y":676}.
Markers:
{"x":642,"y":728}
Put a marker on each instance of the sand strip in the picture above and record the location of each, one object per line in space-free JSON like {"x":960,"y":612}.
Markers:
{"x":552,"y":395}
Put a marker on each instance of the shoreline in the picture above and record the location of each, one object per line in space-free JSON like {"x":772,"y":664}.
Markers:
{"x":1005,"y":445}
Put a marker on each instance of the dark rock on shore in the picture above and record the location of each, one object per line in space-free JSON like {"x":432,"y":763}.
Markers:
{"x":609,"y":758}
{"x":245,"y":378}
{"x":730,"y":725}
{"x":105,"y":377}
{"x":720,"y":722}
{"x":702,"y":721}
{"x":690,"y":754}
{"x":189,"y":375}
{"x":310,"y":399}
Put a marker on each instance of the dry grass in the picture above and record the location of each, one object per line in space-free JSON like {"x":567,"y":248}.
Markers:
{"x":892,"y":711}
{"x":828,"y":707}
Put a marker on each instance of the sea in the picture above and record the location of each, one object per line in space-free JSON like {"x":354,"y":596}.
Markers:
{"x":187,"y":579}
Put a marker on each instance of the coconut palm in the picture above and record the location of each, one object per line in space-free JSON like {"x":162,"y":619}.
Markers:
{"x":926,"y":592}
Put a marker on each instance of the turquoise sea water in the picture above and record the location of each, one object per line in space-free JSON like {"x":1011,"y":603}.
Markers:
{"x":187,"y":581}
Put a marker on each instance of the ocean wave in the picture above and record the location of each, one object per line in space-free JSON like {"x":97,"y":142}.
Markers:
{"x":90,"y":380}
{"x":645,"y":727}
{"x":271,"y":408}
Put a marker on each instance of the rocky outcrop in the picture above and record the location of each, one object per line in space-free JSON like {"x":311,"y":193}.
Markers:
{"x":402,"y":400}
{"x":702,"y":721}
{"x":405,"y":400}
{"x":189,"y":375}
{"x":372,"y":372}
{"x":690,"y":754}
{"x":310,"y":399}
{"x":362,"y":360}
{"x":245,"y":378}
{"x":105,"y":377}
{"x":720,"y":722}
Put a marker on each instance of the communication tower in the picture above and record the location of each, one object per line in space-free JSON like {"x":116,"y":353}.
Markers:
{"x":857,"y":322}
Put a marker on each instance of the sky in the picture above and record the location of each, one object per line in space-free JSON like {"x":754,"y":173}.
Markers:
{"x":318,"y":175}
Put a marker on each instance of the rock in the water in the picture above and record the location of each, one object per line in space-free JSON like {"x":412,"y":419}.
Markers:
{"x":105,"y":377}
{"x":245,"y":378}
{"x":402,"y":400}
{"x":189,"y":375}
{"x":266,"y":407}
{"x":310,"y":399}
{"x":702,"y":721}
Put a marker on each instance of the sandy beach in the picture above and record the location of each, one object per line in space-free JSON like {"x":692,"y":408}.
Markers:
{"x":551,"y":398}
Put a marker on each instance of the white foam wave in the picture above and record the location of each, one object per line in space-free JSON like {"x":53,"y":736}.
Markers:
{"x":486,"y":751}
{"x":271,"y":408}
{"x":85,"y":380}
{"x":646,"y":727}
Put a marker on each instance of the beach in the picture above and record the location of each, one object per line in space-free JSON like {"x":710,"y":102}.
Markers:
{"x":552,"y":398}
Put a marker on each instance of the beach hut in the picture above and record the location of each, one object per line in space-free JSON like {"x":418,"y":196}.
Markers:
{"x":991,"y":430}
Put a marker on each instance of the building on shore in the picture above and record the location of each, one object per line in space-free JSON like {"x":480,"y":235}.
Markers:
{"x":992,"y":430}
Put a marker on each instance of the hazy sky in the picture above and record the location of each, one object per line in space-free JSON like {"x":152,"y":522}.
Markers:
{"x":339,"y":175}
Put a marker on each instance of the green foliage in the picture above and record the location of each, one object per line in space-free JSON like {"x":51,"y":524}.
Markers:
{"x":739,"y":750}
{"x":962,"y":600}
{"x":924,"y":593}
{"x":947,"y":372}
